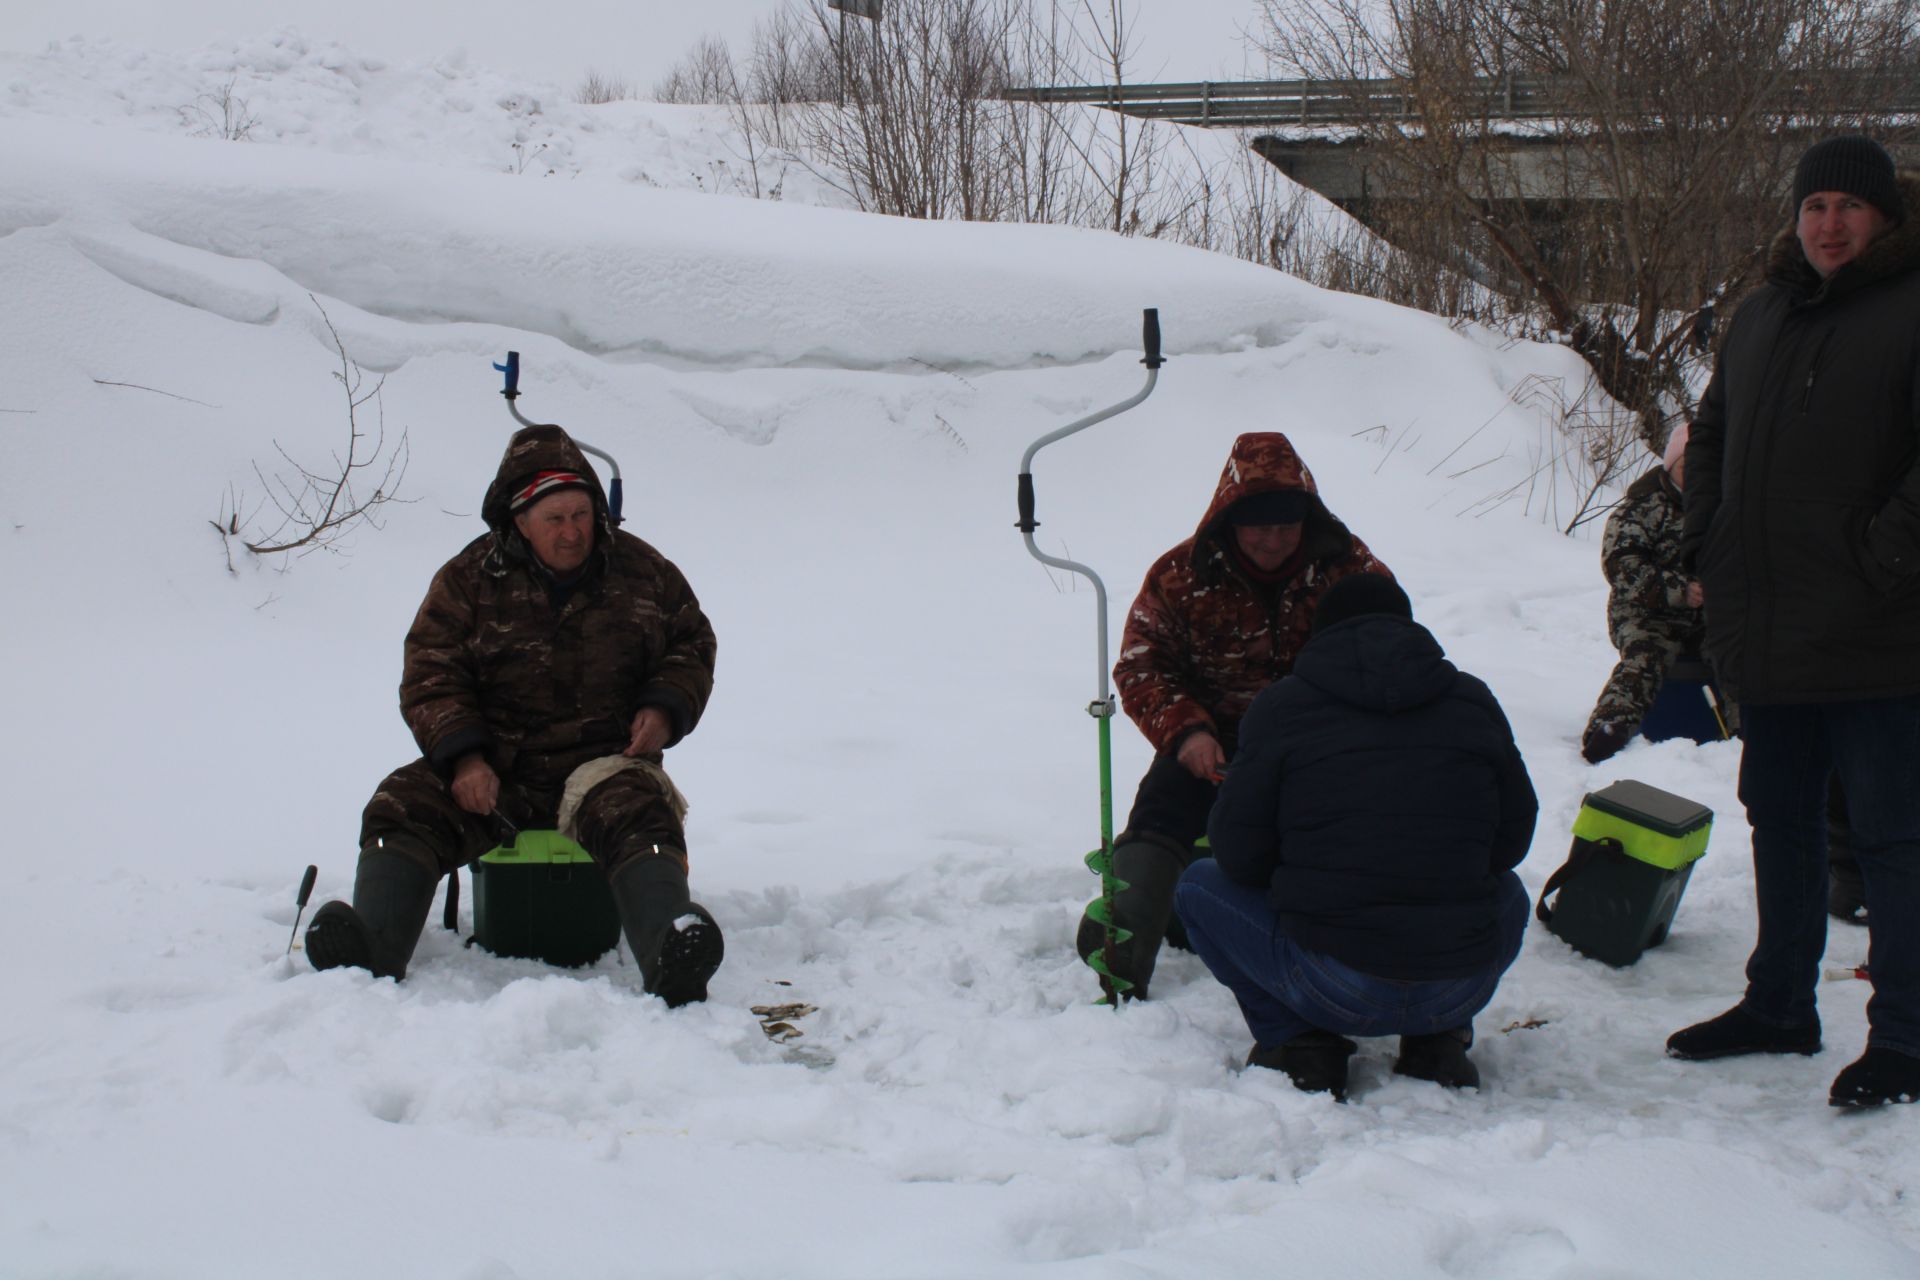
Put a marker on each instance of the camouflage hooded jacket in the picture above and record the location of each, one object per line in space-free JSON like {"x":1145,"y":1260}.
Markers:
{"x":493,"y":665}
{"x":1203,"y":638}
{"x":1640,"y":552}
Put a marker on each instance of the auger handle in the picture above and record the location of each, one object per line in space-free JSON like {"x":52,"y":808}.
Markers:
{"x":512,"y":369}
{"x":1150,"y":338}
{"x":1026,"y":523}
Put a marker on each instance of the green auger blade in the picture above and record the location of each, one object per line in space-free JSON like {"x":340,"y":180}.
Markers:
{"x":1100,"y":911}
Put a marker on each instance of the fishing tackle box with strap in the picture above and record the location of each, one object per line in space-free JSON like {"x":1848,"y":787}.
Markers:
{"x":1634,"y":847}
{"x":543,"y":898}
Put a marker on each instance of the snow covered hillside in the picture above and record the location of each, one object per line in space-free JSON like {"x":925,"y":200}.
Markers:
{"x":819,"y":415}
{"x":289,"y":89}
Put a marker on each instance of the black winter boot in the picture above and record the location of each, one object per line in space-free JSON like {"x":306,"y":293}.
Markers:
{"x":675,"y":941}
{"x":1151,"y":867}
{"x":1316,"y":1061}
{"x":1737,"y":1032}
{"x":1440,"y":1057}
{"x":392,"y":894}
{"x":690,"y":955}
{"x":1879,"y":1077}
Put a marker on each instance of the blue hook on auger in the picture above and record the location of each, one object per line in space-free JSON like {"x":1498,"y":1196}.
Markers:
{"x":512,"y":369}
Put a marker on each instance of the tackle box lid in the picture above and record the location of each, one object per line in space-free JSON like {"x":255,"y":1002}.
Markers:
{"x":1650,"y":807}
{"x":539,"y":847}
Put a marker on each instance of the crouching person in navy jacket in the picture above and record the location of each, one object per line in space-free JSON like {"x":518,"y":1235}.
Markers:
{"x":1364,"y":842}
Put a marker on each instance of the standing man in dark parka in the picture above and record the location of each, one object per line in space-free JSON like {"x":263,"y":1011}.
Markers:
{"x":1803,"y":528}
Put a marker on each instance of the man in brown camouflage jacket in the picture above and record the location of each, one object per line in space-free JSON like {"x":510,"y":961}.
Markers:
{"x":1219,"y":618}
{"x":550,"y":664}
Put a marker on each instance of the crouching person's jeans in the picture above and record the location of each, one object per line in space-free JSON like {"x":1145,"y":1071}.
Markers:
{"x":1285,"y":989}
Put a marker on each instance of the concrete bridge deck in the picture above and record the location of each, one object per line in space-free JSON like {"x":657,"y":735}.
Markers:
{"x":1331,"y":104}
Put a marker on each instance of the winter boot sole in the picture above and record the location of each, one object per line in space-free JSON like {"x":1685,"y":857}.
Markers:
{"x":690,"y":956}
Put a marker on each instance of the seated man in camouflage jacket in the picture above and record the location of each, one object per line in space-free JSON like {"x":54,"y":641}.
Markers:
{"x":1219,"y":618}
{"x":550,"y":664}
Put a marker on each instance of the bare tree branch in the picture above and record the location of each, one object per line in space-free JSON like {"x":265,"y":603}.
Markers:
{"x":319,"y":506}
{"x":102,"y":382}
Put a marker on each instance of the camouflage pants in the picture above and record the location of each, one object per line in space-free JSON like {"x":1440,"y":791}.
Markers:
{"x":628,"y":816}
{"x":1634,"y":682}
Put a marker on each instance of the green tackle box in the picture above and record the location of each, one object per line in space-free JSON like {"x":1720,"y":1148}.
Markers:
{"x":1634,"y":847}
{"x":544,"y":898}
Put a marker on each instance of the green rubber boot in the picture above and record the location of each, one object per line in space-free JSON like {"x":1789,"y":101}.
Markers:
{"x":392,"y":894}
{"x":1151,"y":866}
{"x":675,"y":940}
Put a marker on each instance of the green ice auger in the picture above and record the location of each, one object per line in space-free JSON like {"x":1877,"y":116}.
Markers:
{"x":1101,"y":708}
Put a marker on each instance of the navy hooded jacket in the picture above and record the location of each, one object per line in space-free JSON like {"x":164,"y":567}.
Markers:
{"x":1378,"y":795}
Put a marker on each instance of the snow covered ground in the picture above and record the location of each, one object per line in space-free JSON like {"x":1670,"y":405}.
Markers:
{"x":820,"y":416}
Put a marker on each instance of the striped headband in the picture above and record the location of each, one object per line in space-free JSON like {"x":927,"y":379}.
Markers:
{"x":542,"y":484}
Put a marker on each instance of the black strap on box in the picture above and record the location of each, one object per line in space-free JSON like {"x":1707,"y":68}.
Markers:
{"x":1582,"y":854}
{"x":450,"y":918}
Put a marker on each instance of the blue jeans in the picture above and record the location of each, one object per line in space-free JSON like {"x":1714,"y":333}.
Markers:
{"x":1874,"y":748}
{"x":1284,"y":989}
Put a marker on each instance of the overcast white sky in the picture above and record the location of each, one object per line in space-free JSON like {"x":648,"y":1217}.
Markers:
{"x":557,"y":39}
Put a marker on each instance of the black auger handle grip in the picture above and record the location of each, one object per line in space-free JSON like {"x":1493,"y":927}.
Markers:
{"x":1027,"y":523}
{"x":1150,"y":338}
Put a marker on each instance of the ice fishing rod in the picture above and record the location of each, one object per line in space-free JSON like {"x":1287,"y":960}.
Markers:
{"x":512,"y":392}
{"x":300,"y":903}
{"x":1100,"y":861}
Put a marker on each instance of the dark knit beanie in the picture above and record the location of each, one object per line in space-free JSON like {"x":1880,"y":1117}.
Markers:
{"x":1358,"y":595}
{"x":1275,"y":506}
{"x":1856,"y":165}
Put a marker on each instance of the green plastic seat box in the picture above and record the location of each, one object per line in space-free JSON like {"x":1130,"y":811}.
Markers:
{"x":544,"y":899}
{"x":1634,"y":847}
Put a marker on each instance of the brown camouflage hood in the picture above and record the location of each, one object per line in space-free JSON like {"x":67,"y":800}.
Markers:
{"x":1202,"y":640}
{"x":1266,"y":462}
{"x":530,"y":451}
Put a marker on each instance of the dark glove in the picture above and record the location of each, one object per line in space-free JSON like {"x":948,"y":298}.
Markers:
{"x":1603,"y":740}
